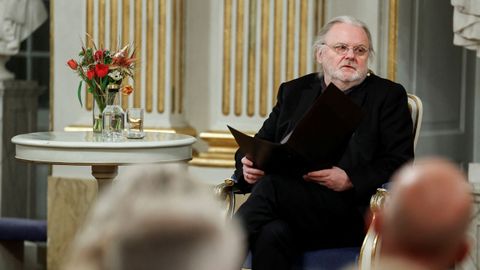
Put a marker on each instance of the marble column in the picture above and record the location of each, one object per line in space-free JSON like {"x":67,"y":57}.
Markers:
{"x":18,"y":114}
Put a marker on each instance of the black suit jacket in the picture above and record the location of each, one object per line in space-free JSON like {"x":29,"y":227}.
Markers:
{"x":381,"y":144}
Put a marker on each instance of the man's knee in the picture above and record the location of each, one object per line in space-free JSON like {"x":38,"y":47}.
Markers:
{"x":276,"y":232}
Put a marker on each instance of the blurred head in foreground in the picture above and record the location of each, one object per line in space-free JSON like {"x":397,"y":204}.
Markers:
{"x":156,"y":217}
{"x":426,"y":217}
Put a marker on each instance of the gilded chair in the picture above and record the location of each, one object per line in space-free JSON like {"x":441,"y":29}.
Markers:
{"x":331,"y":259}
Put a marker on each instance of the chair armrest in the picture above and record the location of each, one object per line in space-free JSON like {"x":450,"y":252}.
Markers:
{"x":224,"y":192}
{"x":370,"y":250}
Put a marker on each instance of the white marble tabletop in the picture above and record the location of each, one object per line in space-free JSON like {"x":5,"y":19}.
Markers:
{"x":87,"y":148}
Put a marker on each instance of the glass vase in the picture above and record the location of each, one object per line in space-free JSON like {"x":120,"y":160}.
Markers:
{"x":97,"y":123}
{"x":113,"y":117}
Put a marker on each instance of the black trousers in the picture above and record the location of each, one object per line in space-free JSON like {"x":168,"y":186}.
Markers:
{"x":285,"y":216}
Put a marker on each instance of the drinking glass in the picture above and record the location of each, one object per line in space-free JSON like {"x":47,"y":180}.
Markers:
{"x":135,"y":123}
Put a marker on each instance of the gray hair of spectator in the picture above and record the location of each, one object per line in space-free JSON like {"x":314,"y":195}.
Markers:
{"x":157,"y":217}
{"x":317,"y":45}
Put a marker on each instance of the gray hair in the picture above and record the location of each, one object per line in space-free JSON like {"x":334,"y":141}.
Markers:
{"x":342,"y":19}
{"x":157,"y":217}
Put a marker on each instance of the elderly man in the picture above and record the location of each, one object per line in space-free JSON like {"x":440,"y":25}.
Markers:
{"x":424,"y":223}
{"x":286,"y":215}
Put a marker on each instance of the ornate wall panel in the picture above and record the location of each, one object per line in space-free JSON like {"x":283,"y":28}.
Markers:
{"x":264,"y":44}
{"x":156,"y":28}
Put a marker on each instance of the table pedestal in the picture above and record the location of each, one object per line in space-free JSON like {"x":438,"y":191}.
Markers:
{"x":104,"y":175}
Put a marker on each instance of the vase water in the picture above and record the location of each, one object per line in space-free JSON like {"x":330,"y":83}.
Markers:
{"x":113,"y":116}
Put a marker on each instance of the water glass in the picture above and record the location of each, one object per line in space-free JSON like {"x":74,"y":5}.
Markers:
{"x":135,"y":123}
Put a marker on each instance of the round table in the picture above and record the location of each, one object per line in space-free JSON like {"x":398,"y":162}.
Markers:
{"x":103,"y":155}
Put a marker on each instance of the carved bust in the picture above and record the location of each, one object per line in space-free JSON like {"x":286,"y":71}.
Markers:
{"x":18,"y":19}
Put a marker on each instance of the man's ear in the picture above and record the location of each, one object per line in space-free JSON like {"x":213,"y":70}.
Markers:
{"x":318,"y":55}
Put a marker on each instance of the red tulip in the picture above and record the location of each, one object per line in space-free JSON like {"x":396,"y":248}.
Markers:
{"x":72,"y":64}
{"x":101,"y":70}
{"x":98,"y":55}
{"x":90,"y":74}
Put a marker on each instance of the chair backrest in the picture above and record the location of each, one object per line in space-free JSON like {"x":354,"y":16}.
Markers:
{"x":371,"y":246}
{"x":416,"y":111}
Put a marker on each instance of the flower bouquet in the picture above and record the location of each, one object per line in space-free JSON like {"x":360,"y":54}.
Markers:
{"x":100,"y":67}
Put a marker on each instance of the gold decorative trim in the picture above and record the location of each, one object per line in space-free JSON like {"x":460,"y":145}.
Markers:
{"x":114,"y":24}
{"x":392,"y":39}
{"x":101,"y":24}
{"x":252,"y":40}
{"x":211,"y":162}
{"x":180,"y":130}
{"x":89,"y":42}
{"x":239,"y":57}
{"x":138,"y":54}
{"x":302,"y":65}
{"x":181,"y":54}
{"x":162,"y":21}
{"x":173,"y":57}
{"x":149,"y":59}
{"x":264,"y":58}
{"x":125,"y":38}
{"x":290,"y":39}
{"x":277,"y":49}
{"x":227,"y":26}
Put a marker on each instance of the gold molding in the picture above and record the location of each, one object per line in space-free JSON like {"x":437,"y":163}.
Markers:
{"x":264,"y":58}
{"x":138,"y":54}
{"x":252,"y":26}
{"x":101,"y":24}
{"x":162,"y":21}
{"x":227,"y":32}
{"x":180,"y":130}
{"x":392,"y":39}
{"x":239,"y":57}
{"x":302,"y":65}
{"x":88,"y":42}
{"x":114,"y":24}
{"x":277,"y":49}
{"x":290,"y":57}
{"x":125,"y":38}
{"x":149,"y":59}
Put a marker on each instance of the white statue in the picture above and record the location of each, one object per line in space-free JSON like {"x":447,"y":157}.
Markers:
{"x":18,"y":19}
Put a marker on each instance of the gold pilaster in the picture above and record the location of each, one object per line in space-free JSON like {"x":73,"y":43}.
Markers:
{"x":125,"y":38}
{"x":302,"y":57}
{"x":227,"y":30}
{"x":392,"y":39}
{"x":264,"y":58}
{"x":88,"y":42}
{"x":138,"y":55}
{"x":277,"y":52}
{"x":149,"y":59}
{"x":162,"y":21}
{"x":114,"y":25}
{"x":252,"y":25}
{"x":290,"y":39}
{"x":239,"y":58}
{"x":101,"y":24}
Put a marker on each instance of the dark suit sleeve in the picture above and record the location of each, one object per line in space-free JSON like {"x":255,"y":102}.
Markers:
{"x":392,"y":147}
{"x":267,"y":132}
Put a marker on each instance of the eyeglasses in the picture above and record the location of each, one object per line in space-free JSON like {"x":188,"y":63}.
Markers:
{"x":342,"y":49}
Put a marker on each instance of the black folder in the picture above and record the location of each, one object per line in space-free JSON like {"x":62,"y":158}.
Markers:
{"x":318,"y":141}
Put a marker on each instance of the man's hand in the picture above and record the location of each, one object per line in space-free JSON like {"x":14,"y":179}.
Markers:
{"x":334,"y":178}
{"x":250,"y":174}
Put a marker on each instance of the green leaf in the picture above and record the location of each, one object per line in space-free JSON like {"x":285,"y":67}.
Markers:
{"x":79,"y":93}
